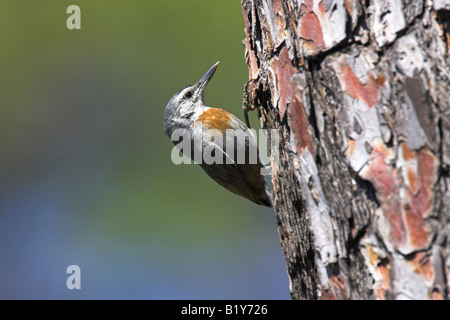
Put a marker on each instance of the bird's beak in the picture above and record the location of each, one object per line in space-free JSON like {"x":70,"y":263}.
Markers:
{"x":203,"y":82}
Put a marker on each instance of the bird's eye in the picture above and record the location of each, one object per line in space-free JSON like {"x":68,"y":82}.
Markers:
{"x":188,"y":94}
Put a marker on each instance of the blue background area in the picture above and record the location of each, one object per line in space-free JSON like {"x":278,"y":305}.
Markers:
{"x":85,"y":171}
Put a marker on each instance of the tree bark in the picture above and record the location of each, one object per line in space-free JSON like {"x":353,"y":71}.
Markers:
{"x":359,"y":94}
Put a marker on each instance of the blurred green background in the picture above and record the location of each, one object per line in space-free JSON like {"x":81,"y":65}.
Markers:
{"x":85,"y":171}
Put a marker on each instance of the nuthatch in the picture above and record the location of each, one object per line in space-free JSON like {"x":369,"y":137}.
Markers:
{"x":188,"y":111}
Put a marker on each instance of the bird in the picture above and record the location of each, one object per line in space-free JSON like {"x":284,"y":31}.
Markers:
{"x":233,"y":142}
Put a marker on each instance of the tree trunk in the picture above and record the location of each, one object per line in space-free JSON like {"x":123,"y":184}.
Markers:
{"x":359,"y":93}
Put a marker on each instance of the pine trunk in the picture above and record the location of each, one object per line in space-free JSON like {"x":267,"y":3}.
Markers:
{"x":359,"y":94}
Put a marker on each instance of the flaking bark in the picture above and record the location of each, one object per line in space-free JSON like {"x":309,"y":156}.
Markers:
{"x":360,"y":94}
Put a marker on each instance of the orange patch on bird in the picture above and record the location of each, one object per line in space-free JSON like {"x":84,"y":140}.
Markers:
{"x":215,"y":118}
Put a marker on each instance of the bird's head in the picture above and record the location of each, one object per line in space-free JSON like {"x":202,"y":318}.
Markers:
{"x":185,"y":103}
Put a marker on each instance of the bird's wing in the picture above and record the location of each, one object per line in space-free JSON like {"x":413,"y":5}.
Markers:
{"x":239,"y":170}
